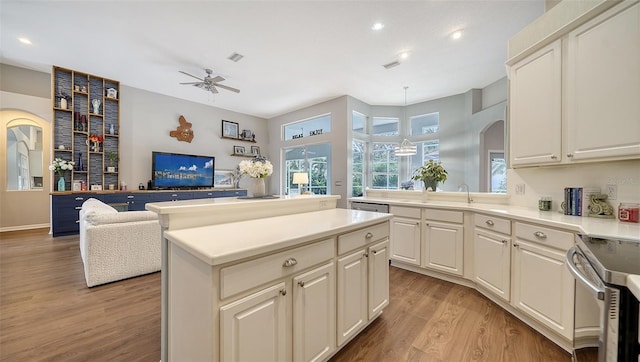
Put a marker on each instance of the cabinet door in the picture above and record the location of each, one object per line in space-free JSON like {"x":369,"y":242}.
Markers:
{"x":314,"y":314}
{"x":378,"y":278}
{"x":492,"y":262}
{"x":405,"y":240}
{"x":543,"y":287}
{"x":603,"y":86}
{"x":352,"y":294}
{"x":254,"y":328}
{"x":443,"y":247}
{"x":535,"y":116}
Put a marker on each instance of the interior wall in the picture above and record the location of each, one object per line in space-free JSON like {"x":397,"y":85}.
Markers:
{"x":492,"y":139}
{"x":480,"y":140}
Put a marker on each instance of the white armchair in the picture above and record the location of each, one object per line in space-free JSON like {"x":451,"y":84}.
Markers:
{"x":117,"y":245}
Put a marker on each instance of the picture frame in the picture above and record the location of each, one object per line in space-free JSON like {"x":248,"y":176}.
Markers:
{"x":230,"y":129}
{"x":246,"y":134}
{"x":255,"y":150}
{"x":238,"y":150}
{"x":223,"y":179}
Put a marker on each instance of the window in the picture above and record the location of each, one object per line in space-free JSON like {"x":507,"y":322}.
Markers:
{"x":425,"y":124}
{"x":313,"y":159}
{"x":359,"y":122}
{"x":385,"y":126}
{"x":498,"y":175}
{"x":358,"y":152}
{"x":384,"y":166}
{"x":307,"y":128}
{"x":428,"y":150}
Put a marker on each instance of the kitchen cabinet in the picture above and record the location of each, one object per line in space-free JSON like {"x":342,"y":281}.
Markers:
{"x":576,"y":99}
{"x":603,"y":86}
{"x":444,"y":241}
{"x":492,"y":255}
{"x":405,"y":234}
{"x":543,"y":287}
{"x":535,"y":113}
{"x":363,"y":279}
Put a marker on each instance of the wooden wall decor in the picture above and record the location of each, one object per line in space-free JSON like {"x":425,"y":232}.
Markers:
{"x":183,"y":132}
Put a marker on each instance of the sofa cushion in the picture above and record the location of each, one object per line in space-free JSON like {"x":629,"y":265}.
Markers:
{"x":102,"y":218}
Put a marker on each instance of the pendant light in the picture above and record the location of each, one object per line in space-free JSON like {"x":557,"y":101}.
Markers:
{"x":406,"y":148}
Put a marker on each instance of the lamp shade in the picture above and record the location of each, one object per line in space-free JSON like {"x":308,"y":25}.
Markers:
{"x":300,"y":178}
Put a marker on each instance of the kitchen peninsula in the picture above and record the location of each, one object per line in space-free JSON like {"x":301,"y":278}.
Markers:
{"x":290,"y":278}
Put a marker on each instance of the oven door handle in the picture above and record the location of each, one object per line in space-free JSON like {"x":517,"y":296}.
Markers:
{"x":597,"y":292}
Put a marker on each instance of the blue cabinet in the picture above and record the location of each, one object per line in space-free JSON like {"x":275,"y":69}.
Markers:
{"x":65,"y":207}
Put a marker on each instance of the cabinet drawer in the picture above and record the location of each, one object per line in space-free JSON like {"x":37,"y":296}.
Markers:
{"x":250,"y":274}
{"x":493,"y":223}
{"x":443,"y":215}
{"x":410,"y":212}
{"x":362,"y":237}
{"x":543,"y":235}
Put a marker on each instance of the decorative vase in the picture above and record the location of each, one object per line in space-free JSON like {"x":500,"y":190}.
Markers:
{"x":61,"y":185}
{"x":80,"y":166}
{"x":430,"y":183}
{"x":258,"y":188}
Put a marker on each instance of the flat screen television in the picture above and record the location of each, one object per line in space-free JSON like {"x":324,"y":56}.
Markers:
{"x":179,"y":171}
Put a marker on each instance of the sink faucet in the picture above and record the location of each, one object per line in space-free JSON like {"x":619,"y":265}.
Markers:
{"x":468,"y":196}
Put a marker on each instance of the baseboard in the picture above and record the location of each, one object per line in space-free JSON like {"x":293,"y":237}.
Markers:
{"x":24,"y":227}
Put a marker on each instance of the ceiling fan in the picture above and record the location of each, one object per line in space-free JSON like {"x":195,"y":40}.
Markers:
{"x":209,"y":83}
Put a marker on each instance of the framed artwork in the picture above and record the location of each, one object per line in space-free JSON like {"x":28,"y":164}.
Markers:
{"x":238,"y":150}
{"x":255,"y":150}
{"x":223,"y":179}
{"x":230,"y":129}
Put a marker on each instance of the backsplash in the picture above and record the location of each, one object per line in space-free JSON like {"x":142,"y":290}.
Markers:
{"x":551,"y":181}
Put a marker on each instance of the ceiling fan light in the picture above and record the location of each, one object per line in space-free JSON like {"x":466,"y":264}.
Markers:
{"x":406,"y":148}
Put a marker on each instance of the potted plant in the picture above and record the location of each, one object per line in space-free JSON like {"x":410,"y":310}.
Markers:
{"x":113,"y":157}
{"x":430,"y":174}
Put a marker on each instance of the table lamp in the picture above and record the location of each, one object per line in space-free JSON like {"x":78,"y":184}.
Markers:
{"x":301,"y":178}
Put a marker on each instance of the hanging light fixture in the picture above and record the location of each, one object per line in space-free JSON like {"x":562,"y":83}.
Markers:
{"x":406,"y":148}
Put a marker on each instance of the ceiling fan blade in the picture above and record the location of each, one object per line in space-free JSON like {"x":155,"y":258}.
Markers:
{"x":217,"y":79}
{"x":200,"y":85}
{"x":227,"y":88}
{"x":213,"y":89}
{"x":192,"y":83}
{"x":193,"y":76}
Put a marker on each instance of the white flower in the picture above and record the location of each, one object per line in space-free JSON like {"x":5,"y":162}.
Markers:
{"x":60,"y":165}
{"x":258,"y":167}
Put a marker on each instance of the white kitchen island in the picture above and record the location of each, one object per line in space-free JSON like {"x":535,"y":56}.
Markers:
{"x":282,"y":279}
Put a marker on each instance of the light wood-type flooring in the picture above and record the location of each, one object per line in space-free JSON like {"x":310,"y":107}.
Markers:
{"x":47,"y":313}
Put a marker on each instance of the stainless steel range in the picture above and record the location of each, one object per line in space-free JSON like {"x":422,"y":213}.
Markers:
{"x":602,"y":265}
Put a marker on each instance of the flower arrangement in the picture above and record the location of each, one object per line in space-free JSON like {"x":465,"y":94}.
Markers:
{"x":407,"y":185}
{"x":60,"y":166}
{"x":257,"y":167}
{"x":96,"y":138}
{"x":430,"y":174}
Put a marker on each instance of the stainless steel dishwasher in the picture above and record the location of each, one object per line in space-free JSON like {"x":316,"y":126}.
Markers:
{"x":369,"y":206}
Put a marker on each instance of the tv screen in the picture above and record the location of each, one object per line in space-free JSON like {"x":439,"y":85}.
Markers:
{"x":178,"y":171}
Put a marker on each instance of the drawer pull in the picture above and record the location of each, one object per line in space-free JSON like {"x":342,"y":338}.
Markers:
{"x":79,"y":198}
{"x":283,"y":292}
{"x":365,"y":255}
{"x":504,"y":241}
{"x":554,"y":157}
{"x":489,"y":222}
{"x":77,"y":221}
{"x":78,"y":207}
{"x":289,"y":262}
{"x":540,"y":235}
{"x":301,"y":283}
{"x":368,"y":236}
{"x":130,"y":196}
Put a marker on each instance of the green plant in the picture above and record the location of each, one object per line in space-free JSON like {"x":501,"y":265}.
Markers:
{"x":112,"y":156}
{"x":431,"y":171}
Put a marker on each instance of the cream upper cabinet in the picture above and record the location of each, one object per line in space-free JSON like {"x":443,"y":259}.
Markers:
{"x":535,"y":113}
{"x":603,"y":86}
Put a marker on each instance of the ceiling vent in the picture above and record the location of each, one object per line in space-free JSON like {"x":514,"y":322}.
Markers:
{"x":395,"y":63}
{"x":235,"y":57}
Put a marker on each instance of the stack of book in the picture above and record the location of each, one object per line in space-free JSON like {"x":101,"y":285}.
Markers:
{"x":577,"y":199}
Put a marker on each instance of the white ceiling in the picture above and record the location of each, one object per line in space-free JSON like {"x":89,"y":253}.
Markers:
{"x":297,"y":53}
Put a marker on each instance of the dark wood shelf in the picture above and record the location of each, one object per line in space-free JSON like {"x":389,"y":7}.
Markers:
{"x":238,"y":139}
{"x":243,"y":155}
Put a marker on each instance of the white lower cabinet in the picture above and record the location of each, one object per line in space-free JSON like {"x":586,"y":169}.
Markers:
{"x":352,"y":294}
{"x":492,"y":262}
{"x":543,"y":287}
{"x":378,"y":278}
{"x":444,"y":241}
{"x":405,"y":234}
{"x":254,"y":328}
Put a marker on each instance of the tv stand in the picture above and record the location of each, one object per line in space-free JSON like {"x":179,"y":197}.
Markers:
{"x":65,"y":206}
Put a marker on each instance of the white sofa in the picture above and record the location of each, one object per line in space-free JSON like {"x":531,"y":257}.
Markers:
{"x":117,"y":245}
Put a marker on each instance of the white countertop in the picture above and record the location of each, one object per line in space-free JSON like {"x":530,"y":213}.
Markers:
{"x":223,"y":243}
{"x":633,"y":283}
{"x":594,"y":227}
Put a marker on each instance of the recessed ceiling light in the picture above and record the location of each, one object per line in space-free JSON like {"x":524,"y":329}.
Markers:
{"x":456,"y":34}
{"x":377,"y":26}
{"x":404,"y":55}
{"x":24,"y":40}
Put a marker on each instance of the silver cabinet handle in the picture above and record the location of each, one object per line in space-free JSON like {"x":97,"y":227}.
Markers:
{"x":504,"y":241}
{"x":77,"y":221}
{"x":368,"y":236}
{"x":283,"y":292}
{"x":540,"y":235}
{"x":78,"y":207}
{"x":79,"y":198}
{"x":489,"y":222}
{"x":301,"y":283}
{"x":130,"y":196}
{"x":516,"y":245}
{"x":289,"y":262}
{"x":554,"y":157}
{"x":375,"y":252}
{"x":569,"y":155}
{"x":365,"y":255}
{"x":595,"y":290}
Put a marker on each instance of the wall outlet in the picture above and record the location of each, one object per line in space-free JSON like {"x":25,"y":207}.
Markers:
{"x":519,"y":189}
{"x":612,"y":191}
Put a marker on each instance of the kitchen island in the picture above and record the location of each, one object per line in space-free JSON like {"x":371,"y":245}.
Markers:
{"x":283,"y":279}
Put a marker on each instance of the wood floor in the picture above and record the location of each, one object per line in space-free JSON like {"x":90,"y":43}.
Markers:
{"x":47,"y":313}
